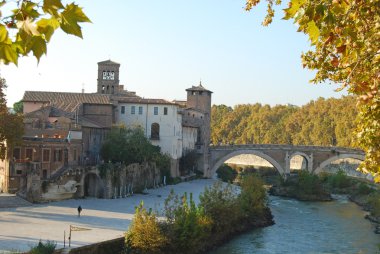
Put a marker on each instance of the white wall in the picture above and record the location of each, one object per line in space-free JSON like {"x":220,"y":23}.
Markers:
{"x":189,"y":137}
{"x":170,"y":125}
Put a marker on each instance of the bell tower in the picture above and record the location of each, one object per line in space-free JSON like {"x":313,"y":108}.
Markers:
{"x":108,"y":77}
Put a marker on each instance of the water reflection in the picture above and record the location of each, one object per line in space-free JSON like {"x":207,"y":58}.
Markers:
{"x":309,"y":228}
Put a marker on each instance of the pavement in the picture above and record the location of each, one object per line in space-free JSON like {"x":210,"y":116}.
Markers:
{"x":23,"y":224}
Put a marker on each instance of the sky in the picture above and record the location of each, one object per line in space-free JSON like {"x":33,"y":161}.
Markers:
{"x":167,"y":46}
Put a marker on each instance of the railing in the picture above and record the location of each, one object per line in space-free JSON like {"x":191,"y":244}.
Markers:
{"x":287,"y":147}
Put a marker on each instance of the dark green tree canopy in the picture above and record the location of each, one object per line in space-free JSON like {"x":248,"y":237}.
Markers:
{"x":129,"y":145}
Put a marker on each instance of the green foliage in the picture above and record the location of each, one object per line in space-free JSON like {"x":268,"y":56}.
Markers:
{"x":220,"y":203}
{"x":374,"y":202}
{"x":11,"y":126}
{"x":191,"y":228}
{"x":226,"y":173}
{"x":309,"y":183}
{"x":18,"y":107}
{"x":129,"y":145}
{"x":339,"y":180}
{"x":345,"y":40}
{"x":44,"y":248}
{"x":188,"y":224}
{"x":253,"y":198}
{"x":145,"y":235}
{"x":29,"y":26}
{"x":364,"y":189}
{"x":320,"y":122}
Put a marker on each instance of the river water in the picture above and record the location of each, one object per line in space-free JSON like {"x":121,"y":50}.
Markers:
{"x":309,"y":228}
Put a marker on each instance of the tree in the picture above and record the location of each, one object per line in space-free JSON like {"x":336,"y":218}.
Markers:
{"x":18,"y":107}
{"x":31,"y":24}
{"x":345,"y":40}
{"x":11,"y":126}
{"x":129,"y":145}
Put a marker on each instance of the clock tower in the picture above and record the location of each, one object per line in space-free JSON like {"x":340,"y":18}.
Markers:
{"x":108,"y":77}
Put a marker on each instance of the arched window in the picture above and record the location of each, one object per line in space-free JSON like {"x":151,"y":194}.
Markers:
{"x":155,"y":131}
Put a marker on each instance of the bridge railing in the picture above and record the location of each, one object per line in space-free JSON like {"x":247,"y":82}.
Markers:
{"x":287,"y":147}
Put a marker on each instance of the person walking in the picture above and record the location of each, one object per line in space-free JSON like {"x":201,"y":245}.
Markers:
{"x":79,"y":210}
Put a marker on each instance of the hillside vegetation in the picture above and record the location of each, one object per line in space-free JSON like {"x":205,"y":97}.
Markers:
{"x":322,"y":122}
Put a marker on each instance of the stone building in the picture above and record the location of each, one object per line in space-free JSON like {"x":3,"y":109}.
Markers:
{"x":65,"y":130}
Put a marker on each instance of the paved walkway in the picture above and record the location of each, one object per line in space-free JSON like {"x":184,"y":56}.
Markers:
{"x":11,"y":200}
{"x":23,"y":227}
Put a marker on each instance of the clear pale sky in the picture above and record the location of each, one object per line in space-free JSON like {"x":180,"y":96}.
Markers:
{"x":166,"y":46}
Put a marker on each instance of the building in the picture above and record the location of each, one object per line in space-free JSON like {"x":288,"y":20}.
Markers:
{"x":64,"y":130}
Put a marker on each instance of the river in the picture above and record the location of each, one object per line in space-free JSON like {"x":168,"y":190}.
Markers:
{"x":309,"y":228}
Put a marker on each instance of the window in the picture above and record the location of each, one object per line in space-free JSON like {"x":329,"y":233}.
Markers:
{"x":155,"y":131}
{"x":155,"y":112}
{"x":29,"y":153}
{"x":58,"y":155}
{"x":46,"y":155}
{"x":140,"y":110}
{"x":133,"y":110}
{"x":19,"y":172}
{"x":123,"y":109}
{"x":75,"y":154}
{"x":165,"y":110}
{"x":17,"y":153}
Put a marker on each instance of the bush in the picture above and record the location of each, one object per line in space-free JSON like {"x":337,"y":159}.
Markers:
{"x":309,"y":183}
{"x":44,"y":248}
{"x":226,"y":173}
{"x":188,"y":224}
{"x":339,"y":180}
{"x":220,"y":204}
{"x":253,"y":198}
{"x":374,"y":202}
{"x":364,"y":189}
{"x":145,"y":234}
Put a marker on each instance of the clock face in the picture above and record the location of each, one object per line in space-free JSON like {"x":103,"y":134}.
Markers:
{"x":108,"y":75}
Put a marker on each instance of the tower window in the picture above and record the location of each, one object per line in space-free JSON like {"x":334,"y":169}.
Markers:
{"x":123,"y":109}
{"x":155,"y":111}
{"x":200,"y":93}
{"x":133,"y":110}
{"x":194,"y":93}
{"x":140,"y":110}
{"x":165,"y":110}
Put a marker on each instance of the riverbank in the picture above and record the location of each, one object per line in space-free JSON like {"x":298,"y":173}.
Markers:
{"x":107,"y":219}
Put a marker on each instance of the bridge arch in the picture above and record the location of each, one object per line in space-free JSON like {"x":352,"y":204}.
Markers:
{"x":253,"y":152}
{"x":337,"y":157}
{"x":306,"y":157}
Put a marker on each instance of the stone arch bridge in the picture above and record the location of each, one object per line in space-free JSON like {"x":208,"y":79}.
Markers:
{"x":316,"y":157}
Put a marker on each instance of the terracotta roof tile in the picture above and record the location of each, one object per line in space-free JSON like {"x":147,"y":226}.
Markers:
{"x":65,"y":101}
{"x":139,"y":100}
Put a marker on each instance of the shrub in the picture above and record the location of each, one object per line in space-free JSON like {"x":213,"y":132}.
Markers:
{"x":220,"y":204}
{"x":226,"y":173}
{"x":374,"y":202}
{"x":43,"y":248}
{"x":309,"y":183}
{"x":339,"y":180}
{"x":364,"y":189}
{"x":145,"y":234}
{"x":253,"y":196}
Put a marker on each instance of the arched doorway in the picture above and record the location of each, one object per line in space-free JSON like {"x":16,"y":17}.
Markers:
{"x":93,"y":186}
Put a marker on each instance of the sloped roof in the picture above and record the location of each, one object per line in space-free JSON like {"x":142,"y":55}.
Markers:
{"x":139,"y":100}
{"x":198,"y":88}
{"x":108,"y":62}
{"x":65,"y":101}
